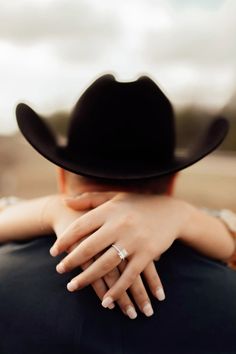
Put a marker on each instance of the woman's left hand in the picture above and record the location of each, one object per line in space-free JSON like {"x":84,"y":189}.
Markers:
{"x":144,"y":225}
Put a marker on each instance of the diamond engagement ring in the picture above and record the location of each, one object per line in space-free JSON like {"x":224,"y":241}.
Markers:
{"x":122,"y":253}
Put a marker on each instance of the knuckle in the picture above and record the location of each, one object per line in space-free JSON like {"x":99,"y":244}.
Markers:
{"x":74,"y":228}
{"x":140,"y":293}
{"x":126,"y":221}
{"x":87,"y":252}
{"x":129,"y":219}
{"x":120,"y":289}
{"x":130,"y":278}
{"x":106,"y":266}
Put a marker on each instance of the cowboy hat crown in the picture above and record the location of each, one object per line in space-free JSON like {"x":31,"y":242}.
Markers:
{"x":119,"y":130}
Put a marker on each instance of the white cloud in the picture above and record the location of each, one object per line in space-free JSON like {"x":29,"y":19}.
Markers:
{"x":51,"y":49}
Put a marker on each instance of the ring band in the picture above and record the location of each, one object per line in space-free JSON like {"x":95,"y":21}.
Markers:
{"x":122,"y":253}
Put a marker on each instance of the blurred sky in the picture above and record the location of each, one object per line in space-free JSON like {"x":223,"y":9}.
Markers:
{"x":50,"y":50}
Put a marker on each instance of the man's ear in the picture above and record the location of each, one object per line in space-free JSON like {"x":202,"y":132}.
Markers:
{"x":61,"y":180}
{"x":172,"y":182}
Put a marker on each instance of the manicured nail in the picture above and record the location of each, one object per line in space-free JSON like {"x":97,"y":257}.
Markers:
{"x":160,"y":294}
{"x":148,"y":310}
{"x":107,"y":302}
{"x":54,"y":251}
{"x":111,"y":306}
{"x":60,"y":268}
{"x":71,"y":286}
{"x":131,"y":312}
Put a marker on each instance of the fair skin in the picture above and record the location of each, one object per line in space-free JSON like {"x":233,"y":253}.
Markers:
{"x":107,"y":226}
{"x":118,"y":218}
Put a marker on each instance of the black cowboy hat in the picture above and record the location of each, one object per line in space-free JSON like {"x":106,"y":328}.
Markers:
{"x":119,"y":130}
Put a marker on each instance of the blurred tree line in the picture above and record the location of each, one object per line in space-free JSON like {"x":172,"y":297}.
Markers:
{"x":192,"y":121}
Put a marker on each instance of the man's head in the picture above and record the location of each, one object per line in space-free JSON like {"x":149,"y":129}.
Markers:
{"x":119,"y":131}
{"x":72,"y":184}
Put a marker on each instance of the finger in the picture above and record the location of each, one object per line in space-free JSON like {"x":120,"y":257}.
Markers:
{"x":86,"y":250}
{"x":124,"y":302}
{"x":131,"y":272}
{"x":81,"y":227}
{"x":154,"y":281}
{"x":99,"y":286}
{"x":139,"y":293}
{"x":89,"y":200}
{"x":103,"y":265}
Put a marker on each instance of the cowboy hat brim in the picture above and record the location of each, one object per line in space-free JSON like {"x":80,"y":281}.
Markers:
{"x":40,"y":136}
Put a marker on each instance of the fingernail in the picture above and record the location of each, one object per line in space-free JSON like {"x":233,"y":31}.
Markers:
{"x":111,"y":306}
{"x":60,"y":268}
{"x":131,"y":312}
{"x":148,"y":310}
{"x":107,"y":302}
{"x":54,"y":251}
{"x":160,"y":294}
{"x":71,"y":286}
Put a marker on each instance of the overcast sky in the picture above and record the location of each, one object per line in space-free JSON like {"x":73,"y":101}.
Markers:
{"x":50,"y":50}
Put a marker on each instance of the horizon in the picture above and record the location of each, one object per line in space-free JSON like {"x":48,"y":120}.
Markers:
{"x":51,"y":51}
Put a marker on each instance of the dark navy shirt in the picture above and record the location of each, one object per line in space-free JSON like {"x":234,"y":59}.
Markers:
{"x":39,"y":316}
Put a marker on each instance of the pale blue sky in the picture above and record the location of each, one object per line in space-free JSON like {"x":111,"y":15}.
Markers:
{"x":50,"y":50}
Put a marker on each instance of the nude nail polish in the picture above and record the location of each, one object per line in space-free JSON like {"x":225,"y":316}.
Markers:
{"x":160,"y":294}
{"x":111,"y":306}
{"x":60,"y":268}
{"x":53,"y":251}
{"x":107,"y":302}
{"x":131,"y":312}
{"x":148,"y":310}
{"x":71,"y":286}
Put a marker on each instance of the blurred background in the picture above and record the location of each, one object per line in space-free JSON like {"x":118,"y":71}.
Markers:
{"x":51,"y":50}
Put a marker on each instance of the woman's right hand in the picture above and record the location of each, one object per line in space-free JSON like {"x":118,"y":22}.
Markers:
{"x":60,"y":216}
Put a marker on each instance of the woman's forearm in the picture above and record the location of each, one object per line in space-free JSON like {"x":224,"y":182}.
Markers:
{"x":25,"y":219}
{"x":36,"y":217}
{"x":42,"y":216}
{"x":207,"y":234}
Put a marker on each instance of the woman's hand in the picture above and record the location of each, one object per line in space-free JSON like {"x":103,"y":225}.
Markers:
{"x":59,"y":216}
{"x":145,"y":225}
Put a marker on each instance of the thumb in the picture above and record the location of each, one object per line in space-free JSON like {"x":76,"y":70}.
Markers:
{"x":88,"y":200}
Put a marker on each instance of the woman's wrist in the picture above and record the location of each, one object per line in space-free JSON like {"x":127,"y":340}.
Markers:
{"x":49,"y":212}
{"x":188,"y":221}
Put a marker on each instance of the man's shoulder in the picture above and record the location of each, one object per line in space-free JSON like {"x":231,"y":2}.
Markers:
{"x":181,"y":254}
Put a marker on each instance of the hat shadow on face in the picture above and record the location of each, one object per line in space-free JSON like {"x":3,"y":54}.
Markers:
{"x":119,"y":131}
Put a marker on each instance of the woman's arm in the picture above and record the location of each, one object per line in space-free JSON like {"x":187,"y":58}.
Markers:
{"x":193,"y":226}
{"x":208,"y":235}
{"x":25,"y":219}
{"x":145,"y":226}
{"x":165,"y":216}
{"x":42,"y":216}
